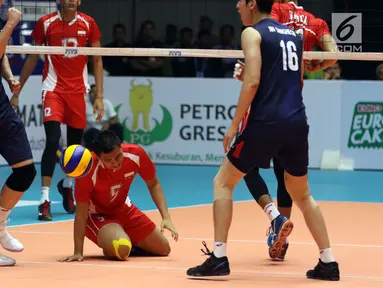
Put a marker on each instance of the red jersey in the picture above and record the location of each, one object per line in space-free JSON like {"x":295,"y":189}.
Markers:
{"x":107,"y":190}
{"x":296,"y":18}
{"x":63,"y":74}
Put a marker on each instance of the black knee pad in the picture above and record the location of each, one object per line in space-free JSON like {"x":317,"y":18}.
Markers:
{"x":284,"y":199}
{"x":256,"y":184}
{"x":22,"y":178}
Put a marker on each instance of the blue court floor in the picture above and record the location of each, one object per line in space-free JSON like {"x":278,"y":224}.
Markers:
{"x":192,"y":185}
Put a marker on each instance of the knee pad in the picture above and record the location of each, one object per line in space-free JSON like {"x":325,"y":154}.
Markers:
{"x":121,"y":242}
{"x":256,"y":184}
{"x":284,"y":199}
{"x":21,"y":178}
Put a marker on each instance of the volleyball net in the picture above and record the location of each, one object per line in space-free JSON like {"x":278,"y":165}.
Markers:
{"x":166,"y":52}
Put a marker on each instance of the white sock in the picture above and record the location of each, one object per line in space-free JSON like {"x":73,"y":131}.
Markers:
{"x":271,"y":211}
{"x":4,"y":213}
{"x":67,"y":183}
{"x":44,"y":194}
{"x":219,"y":249}
{"x":326,"y":255}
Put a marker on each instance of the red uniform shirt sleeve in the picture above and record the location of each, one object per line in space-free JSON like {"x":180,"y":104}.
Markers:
{"x":38,"y":33}
{"x":83,"y":189}
{"x":321,"y":28}
{"x":275,"y":12}
{"x":95,"y":34}
{"x":147,"y":168}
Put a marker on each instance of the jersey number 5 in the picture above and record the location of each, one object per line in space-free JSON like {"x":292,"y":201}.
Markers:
{"x":290,"y":57}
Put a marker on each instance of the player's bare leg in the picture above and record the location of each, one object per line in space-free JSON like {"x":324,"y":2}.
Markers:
{"x":114,"y":241}
{"x":224,"y":183}
{"x":20,"y":180}
{"x":155,"y":244}
{"x":300,"y":193}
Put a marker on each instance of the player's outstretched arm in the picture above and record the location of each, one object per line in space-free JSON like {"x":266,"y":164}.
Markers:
{"x":79,"y":230}
{"x":158,"y":197}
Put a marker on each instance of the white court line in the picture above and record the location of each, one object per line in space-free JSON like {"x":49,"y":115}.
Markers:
{"x":150,"y":210}
{"x":176,"y":208}
{"x":164,"y":268}
{"x":186,"y":238}
{"x":207,"y":239}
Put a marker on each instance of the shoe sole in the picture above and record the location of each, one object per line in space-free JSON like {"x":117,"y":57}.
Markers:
{"x":212,"y":275}
{"x":285,"y":231}
{"x":324,"y":279}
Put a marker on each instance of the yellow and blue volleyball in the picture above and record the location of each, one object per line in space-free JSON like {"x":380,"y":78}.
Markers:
{"x":76,"y":161}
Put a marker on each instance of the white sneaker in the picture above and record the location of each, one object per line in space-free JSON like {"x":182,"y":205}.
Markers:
{"x":9,"y":243}
{"x":6,"y":261}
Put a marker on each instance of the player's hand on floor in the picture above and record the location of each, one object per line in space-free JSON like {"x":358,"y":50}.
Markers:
{"x":239,"y":68}
{"x":99,"y":108}
{"x":75,"y":257}
{"x":229,"y":136}
{"x":168,"y":224}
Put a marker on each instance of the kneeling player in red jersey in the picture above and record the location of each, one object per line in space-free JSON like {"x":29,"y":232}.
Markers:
{"x":105,"y":214}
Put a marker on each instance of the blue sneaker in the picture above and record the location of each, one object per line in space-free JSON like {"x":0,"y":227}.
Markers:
{"x":281,"y":228}
{"x":281,"y":255}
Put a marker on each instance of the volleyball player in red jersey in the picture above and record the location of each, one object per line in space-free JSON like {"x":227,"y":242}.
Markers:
{"x":105,"y":214}
{"x":315,"y":32}
{"x":64,"y":86}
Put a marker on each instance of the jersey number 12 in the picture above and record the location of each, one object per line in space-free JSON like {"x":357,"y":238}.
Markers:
{"x":290,"y":57}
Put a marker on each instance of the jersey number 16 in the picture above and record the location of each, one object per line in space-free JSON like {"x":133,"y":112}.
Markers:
{"x":290,"y":57}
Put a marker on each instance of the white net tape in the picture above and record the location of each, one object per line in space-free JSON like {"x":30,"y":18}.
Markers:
{"x":159,"y":52}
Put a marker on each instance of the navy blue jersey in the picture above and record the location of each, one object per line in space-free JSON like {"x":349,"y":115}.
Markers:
{"x":2,"y":24}
{"x":279,"y":95}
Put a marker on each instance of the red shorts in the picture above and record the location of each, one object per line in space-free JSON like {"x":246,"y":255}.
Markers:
{"x":136,"y":224}
{"x":65,"y":108}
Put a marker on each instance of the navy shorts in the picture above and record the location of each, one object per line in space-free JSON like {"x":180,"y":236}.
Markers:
{"x":14,"y":143}
{"x":259,"y":143}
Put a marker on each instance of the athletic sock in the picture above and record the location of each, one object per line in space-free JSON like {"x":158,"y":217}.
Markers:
{"x":271,"y":211}
{"x":67,"y":183}
{"x":4,"y":213}
{"x":44,"y":194}
{"x":326,"y":255}
{"x":219,"y":249}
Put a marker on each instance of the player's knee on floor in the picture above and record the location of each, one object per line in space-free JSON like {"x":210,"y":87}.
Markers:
{"x":21,"y":178}
{"x":122,"y":248}
{"x":165,"y":248}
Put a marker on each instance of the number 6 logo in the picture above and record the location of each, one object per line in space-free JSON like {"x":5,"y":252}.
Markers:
{"x":344,"y":25}
{"x":347,"y":27}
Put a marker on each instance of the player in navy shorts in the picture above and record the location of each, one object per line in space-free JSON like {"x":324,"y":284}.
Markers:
{"x":14,"y":145}
{"x":276,"y":127}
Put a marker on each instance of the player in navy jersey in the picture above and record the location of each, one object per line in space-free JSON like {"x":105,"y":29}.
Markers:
{"x":14,"y":144}
{"x":276,"y":126}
